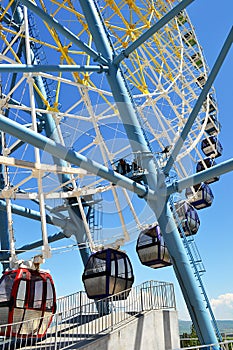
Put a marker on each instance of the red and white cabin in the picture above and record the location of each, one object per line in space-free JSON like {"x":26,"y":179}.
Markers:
{"x":27,"y":302}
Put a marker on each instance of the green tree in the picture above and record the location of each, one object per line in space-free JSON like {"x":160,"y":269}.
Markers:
{"x":193,"y":335}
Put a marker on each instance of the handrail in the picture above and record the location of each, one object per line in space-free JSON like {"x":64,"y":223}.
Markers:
{"x":225,"y":345}
{"x":194,"y":265}
{"x":81,"y":321}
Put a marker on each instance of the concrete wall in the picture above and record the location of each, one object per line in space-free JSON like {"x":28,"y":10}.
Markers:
{"x":153,"y":330}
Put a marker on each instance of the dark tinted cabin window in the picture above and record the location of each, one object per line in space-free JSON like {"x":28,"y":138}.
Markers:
{"x":129,"y":269}
{"x":6,"y":287}
{"x":36,"y":292}
{"x":49,"y":295}
{"x":121,"y":266}
{"x":95,"y":265}
{"x":113,"y":267}
{"x":21,"y":294}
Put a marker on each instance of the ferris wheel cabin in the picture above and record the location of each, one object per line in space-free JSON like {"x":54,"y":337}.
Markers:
{"x":205,"y":164}
{"x":186,"y":217}
{"x":151,"y":248}
{"x":26,"y":295}
{"x":108,"y":272}
{"x":201,"y":80}
{"x":189,"y":39}
{"x":200,"y":196}
{"x":210,"y":104}
{"x":211,"y":147}
{"x":212,"y":126}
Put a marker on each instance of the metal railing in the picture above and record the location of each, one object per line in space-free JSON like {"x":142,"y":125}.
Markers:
{"x":195,"y":266}
{"x":77,"y":321}
{"x":225,"y":345}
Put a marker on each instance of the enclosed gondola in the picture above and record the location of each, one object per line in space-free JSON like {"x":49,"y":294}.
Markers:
{"x":27,"y":302}
{"x":108,"y":272}
{"x":200,"y":196}
{"x":182,"y":18}
{"x":201,"y":80}
{"x":186,"y":217}
{"x":211,"y":147}
{"x":213,"y":126}
{"x":210,"y":104}
{"x":205,"y":164}
{"x":196,"y":59}
{"x":151,"y":248}
{"x":189,"y":39}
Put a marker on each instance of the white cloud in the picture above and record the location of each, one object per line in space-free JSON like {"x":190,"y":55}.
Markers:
{"x":223,"y":306}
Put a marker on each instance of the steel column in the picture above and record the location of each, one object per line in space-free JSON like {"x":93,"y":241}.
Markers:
{"x":61,"y":152}
{"x":28,"y":68}
{"x":51,"y":128}
{"x":63,"y":30}
{"x":155,"y":179}
{"x":4,"y":237}
{"x":202,"y":176}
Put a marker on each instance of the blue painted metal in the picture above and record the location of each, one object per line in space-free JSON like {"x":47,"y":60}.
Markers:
{"x":152,"y":30}
{"x":226,"y":47}
{"x":216,"y":170}
{"x":56,"y":237}
{"x":4,"y":237}
{"x":26,"y":212}
{"x":175,"y":244}
{"x":51,"y":132}
{"x":154,"y":179}
{"x":66,"y":225}
{"x":194,"y":300}
{"x":65,"y":31}
{"x":8,"y":19}
{"x":26,"y":68}
{"x":61,"y":152}
{"x":195,"y":267}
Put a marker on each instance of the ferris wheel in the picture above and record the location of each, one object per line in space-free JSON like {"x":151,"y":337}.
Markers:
{"x":164,"y":77}
{"x":65,"y":78}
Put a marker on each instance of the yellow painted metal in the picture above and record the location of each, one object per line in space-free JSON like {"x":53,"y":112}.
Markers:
{"x":6,"y":9}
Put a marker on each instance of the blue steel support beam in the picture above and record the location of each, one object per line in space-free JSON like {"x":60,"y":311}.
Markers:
{"x":27,"y":68}
{"x":25,"y":212}
{"x":17,"y":103}
{"x":64,"y":31}
{"x":155,"y":179}
{"x":50,"y":125}
{"x":37,"y":244}
{"x":8,"y":20}
{"x":217,"y":170}
{"x":57,"y":150}
{"x":34,"y":245}
{"x":93,"y":167}
{"x":155,"y":28}
{"x":67,"y":226}
{"x":199,"y":103}
{"x":4,"y":237}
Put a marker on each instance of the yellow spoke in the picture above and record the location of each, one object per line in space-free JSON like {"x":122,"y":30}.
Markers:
{"x":3,"y":37}
{"x":6,"y":9}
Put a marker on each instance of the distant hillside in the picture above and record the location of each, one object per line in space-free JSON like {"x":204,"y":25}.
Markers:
{"x":225,"y":326}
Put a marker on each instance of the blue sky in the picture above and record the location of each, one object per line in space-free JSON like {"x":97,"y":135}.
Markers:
{"x":212,"y":21}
